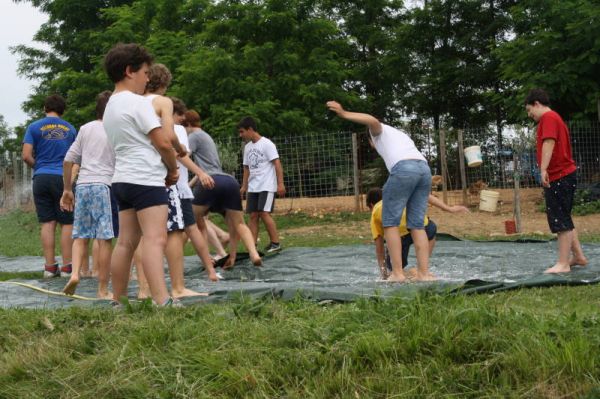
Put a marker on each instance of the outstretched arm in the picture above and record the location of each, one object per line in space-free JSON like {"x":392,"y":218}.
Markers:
{"x":364,"y":119}
{"x":435,"y":201}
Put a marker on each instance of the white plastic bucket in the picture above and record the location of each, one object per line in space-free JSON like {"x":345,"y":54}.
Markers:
{"x":473,"y":155}
{"x":488,"y":200}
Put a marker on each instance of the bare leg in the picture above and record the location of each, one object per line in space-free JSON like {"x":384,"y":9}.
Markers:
{"x":578,"y":257}
{"x":47,"y":231}
{"x":79,"y":251}
{"x":84,"y":271}
{"x":66,"y":243}
{"x":129,"y":237}
{"x":394,"y":245}
{"x":235,"y":221}
{"x":422,"y":251}
{"x":565,"y":242}
{"x":143,"y":288}
{"x":253,"y":225}
{"x":270,"y":226}
{"x":95,"y":255}
{"x":201,"y":248}
{"x":212,"y":236}
{"x":174,"y":254}
{"x":222,"y":235}
{"x":102,"y":261}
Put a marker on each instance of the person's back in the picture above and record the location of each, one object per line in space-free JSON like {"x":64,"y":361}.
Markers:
{"x":205,"y":153}
{"x":96,"y":157}
{"x":51,"y":138}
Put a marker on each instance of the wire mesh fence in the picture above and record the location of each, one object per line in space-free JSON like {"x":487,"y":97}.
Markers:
{"x":343,"y":164}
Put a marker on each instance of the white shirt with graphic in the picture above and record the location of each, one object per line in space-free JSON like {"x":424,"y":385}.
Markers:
{"x":258,"y":158}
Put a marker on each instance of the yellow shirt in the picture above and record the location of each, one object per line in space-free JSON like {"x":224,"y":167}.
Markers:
{"x":377,"y":223}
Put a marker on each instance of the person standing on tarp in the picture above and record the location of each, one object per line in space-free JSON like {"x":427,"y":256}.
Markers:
{"x":558,"y":177}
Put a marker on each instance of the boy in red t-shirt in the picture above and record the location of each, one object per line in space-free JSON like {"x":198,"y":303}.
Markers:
{"x":558,"y":174}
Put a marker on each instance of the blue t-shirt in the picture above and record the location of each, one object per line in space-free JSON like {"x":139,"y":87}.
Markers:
{"x":51,"y":138}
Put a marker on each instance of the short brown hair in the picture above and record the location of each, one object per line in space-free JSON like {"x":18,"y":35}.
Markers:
{"x":101,"y":101}
{"x":192,"y":119}
{"x":179,"y":107}
{"x":55,"y":103}
{"x":122,"y":56}
{"x":159,"y":76}
{"x":539,"y":95}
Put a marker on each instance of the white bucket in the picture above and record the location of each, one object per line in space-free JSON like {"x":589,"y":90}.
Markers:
{"x":488,"y":200}
{"x":473,"y":155}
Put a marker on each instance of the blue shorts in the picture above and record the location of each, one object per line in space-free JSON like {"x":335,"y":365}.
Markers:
{"x":175,"y":218}
{"x":188,"y":212}
{"x":139,"y":197}
{"x":408,"y":186}
{"x":224,"y":196}
{"x":407,"y":241}
{"x":47,"y":191}
{"x":93,"y":212}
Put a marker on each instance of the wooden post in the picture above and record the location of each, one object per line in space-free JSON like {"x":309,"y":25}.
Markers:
{"x":517,"y":196}
{"x":355,"y":172}
{"x":463,"y":174}
{"x":444,"y":166}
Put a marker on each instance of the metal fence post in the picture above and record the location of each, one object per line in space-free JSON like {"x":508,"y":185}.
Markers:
{"x":517,"y":193}
{"x":461,"y":163}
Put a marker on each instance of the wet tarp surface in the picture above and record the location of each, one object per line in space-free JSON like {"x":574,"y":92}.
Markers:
{"x":342,"y":273}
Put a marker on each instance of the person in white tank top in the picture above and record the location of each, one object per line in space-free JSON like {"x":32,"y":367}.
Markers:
{"x":408,"y":186}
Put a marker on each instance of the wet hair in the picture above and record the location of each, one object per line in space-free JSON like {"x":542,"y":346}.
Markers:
{"x":122,"y":56}
{"x":539,"y":95}
{"x":101,"y":101}
{"x":159,"y":77}
{"x":374,"y":195}
{"x":247,"y":123}
{"x":179,"y":107}
{"x":55,"y":103}
{"x":192,"y":119}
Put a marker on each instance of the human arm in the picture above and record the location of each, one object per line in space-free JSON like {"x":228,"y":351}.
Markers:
{"x":435,"y":201}
{"x":193,"y":182}
{"x":547,"y":150}
{"x":364,"y":119}
{"x":161,"y":141}
{"x":164,"y":108}
{"x":67,"y":200}
{"x":279,"y":173}
{"x":380,"y":255}
{"x":205,"y":180}
{"x":244,"y":187}
{"x":27,"y":154}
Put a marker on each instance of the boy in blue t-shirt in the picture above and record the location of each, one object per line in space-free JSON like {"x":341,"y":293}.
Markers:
{"x":45,"y":145}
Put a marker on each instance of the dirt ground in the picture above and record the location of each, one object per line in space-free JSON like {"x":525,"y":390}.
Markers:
{"x":477,"y":222}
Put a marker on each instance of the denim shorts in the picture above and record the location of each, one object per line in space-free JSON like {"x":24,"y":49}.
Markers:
{"x":408,"y":186}
{"x":93,"y":212}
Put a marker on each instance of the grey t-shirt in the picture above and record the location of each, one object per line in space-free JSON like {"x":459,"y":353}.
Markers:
{"x":204,"y":152}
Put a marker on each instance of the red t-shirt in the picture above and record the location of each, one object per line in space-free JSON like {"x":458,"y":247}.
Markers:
{"x":551,"y":126}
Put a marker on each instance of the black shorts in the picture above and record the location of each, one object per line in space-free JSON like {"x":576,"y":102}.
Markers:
{"x":260,"y":202}
{"x":188,"y":213}
{"x":407,"y":241}
{"x":139,"y":197}
{"x":114,"y":207}
{"x":559,"y":203}
{"x":47,"y":191}
{"x":224,"y":196}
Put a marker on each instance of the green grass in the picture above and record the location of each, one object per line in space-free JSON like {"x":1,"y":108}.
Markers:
{"x":4,"y":276}
{"x":534,"y":343}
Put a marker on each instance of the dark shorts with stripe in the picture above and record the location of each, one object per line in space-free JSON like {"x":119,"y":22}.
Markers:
{"x":188,"y":213}
{"x":407,"y":241}
{"x":559,"y":203}
{"x":47,"y":191}
{"x":260,"y":202}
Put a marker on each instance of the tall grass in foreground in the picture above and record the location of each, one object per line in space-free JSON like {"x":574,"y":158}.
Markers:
{"x":522,"y":344}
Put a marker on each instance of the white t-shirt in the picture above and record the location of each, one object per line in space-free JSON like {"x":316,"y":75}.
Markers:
{"x":258,"y":158}
{"x":394,"y":145}
{"x":93,"y":153}
{"x":184,"y":189}
{"x":128,"y":119}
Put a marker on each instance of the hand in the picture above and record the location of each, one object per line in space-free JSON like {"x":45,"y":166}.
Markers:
{"x":230,"y":262}
{"x":243,"y":191}
{"x":206,"y":181}
{"x":458,"y":209}
{"x":281,"y":190}
{"x":335,"y":107}
{"x":545,"y":179}
{"x":66,"y":201}
{"x":172,"y":177}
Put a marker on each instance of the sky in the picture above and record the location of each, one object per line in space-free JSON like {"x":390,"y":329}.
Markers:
{"x":18,"y":24}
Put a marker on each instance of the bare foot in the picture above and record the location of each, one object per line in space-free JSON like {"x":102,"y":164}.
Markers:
{"x":141,"y":295}
{"x":578,"y":261}
{"x":85,"y":273}
{"x":104,"y":295}
{"x":186,"y":292}
{"x":256,"y":260}
{"x":397,"y":278}
{"x":425,"y":277}
{"x":71,"y":285}
{"x":411,"y":273}
{"x":558,"y":268}
{"x":212,"y":276}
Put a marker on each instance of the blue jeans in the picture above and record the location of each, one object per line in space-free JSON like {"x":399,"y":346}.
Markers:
{"x":408,"y":186}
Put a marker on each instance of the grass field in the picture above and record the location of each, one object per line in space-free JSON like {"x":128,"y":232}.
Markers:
{"x":537,"y":343}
